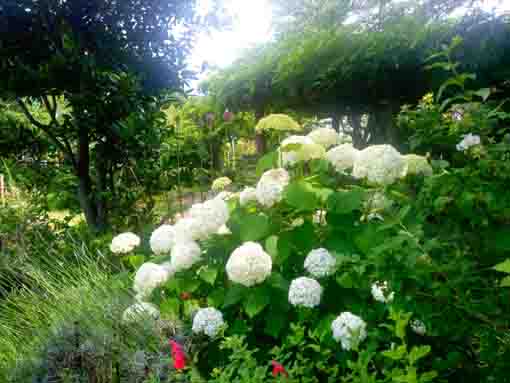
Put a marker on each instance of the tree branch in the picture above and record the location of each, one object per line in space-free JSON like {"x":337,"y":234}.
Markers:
{"x":46,"y":129}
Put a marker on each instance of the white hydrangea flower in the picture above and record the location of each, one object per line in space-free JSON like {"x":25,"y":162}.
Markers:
{"x":162,"y":239}
{"x":292,"y":157}
{"x":208,"y":321}
{"x":304,"y":291}
{"x":140,"y":311}
{"x":381,"y":292}
{"x":381,"y":164}
{"x":221,"y":183}
{"x":225,"y":195}
{"x":247,"y":195}
{"x":249,"y":264}
{"x":349,"y":329}
{"x":468,"y":140}
{"x":320,"y":263}
{"x":271,"y":186}
{"x":326,"y":137}
{"x":224,"y":230}
{"x":148,"y":277}
{"x":307,"y":150}
{"x":185,"y":255}
{"x":418,"y":327}
{"x":342,"y":157}
{"x":418,"y":165}
{"x":204,"y":220}
{"x":319,"y":218}
{"x":124,"y":243}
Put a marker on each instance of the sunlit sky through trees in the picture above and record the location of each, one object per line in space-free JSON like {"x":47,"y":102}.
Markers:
{"x":252,"y":24}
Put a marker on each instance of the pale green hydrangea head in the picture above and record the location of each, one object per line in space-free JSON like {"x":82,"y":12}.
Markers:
{"x":417,"y":165}
{"x":278,"y":122}
{"x":221,"y":183}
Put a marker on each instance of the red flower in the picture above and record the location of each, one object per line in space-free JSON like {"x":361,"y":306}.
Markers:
{"x":178,"y":355}
{"x":228,"y":116}
{"x":278,"y":369}
{"x":185,"y":296}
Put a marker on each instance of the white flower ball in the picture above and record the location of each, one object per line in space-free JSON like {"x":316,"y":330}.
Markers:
{"x":418,"y":327}
{"x":225,"y":195}
{"x":188,"y":229}
{"x":209,"y":217}
{"x":304,"y":291}
{"x":148,"y":277}
{"x":342,"y":157}
{"x":381,"y":292}
{"x":271,"y":186}
{"x":249,"y":264}
{"x":381,"y":164}
{"x":417,"y":165}
{"x":162,"y":239}
{"x":468,"y":141}
{"x":292,"y":157}
{"x":378,"y":202}
{"x":349,"y":329}
{"x":208,"y":321}
{"x":247,"y":195}
{"x":221,"y":183}
{"x":185,"y":255}
{"x":224,"y":230}
{"x":124,"y":243}
{"x":140,"y":311}
{"x":320,"y":263}
{"x":326,"y":137}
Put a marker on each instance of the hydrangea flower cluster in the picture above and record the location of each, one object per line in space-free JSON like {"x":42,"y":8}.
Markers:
{"x":468,"y":141}
{"x":326,"y":137}
{"x":320,"y":263}
{"x":378,"y":202}
{"x":381,"y":292}
{"x":124,"y":243}
{"x":220,"y":184}
{"x":342,"y":157}
{"x":247,"y":195}
{"x":417,"y":165}
{"x":162,"y":239}
{"x":380,"y":164}
{"x":349,"y":329}
{"x":140,"y":311}
{"x":306,"y":150}
{"x":418,"y":327}
{"x":204,"y":220}
{"x":184,"y":255}
{"x":208,"y":321}
{"x":306,"y":292}
{"x":249,"y":264}
{"x":271,"y":186}
{"x":148,"y":277}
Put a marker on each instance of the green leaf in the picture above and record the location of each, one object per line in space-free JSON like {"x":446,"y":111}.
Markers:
{"x":234,"y":294}
{"x":136,"y":261}
{"x":170,"y":306}
{"x":209,"y":274}
{"x":301,"y":196}
{"x":188,"y":284}
{"x":272,"y":246}
{"x":216,"y":298}
{"x":284,"y":248}
{"x":483,"y":93}
{"x":397,"y":353}
{"x":417,"y":353}
{"x":275,"y":322}
{"x":254,"y":227}
{"x":277,"y":281}
{"x":345,"y":280}
{"x":257,"y":300}
{"x":345,"y":202}
{"x":268,"y":161}
{"x":428,"y":376}
{"x":504,"y":267}
{"x":505,"y":282}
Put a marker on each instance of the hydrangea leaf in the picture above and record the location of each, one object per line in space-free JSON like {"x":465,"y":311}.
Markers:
{"x":254,"y":227}
{"x":136,"y":261}
{"x":209,"y":274}
{"x":268,"y":161}
{"x":505,"y":282}
{"x":345,"y":202}
{"x":234,"y":294}
{"x":417,"y":353}
{"x":504,"y":267}
{"x":271,"y":246}
{"x":301,"y":196}
{"x":170,"y":306}
{"x":257,"y":300}
{"x":275,"y":322}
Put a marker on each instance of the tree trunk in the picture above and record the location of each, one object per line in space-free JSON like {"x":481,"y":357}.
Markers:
{"x":101,"y":170}
{"x":387,"y":132}
{"x":85,"y":189}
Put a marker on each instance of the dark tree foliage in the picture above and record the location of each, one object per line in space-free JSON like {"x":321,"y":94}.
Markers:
{"x":108,"y":59}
